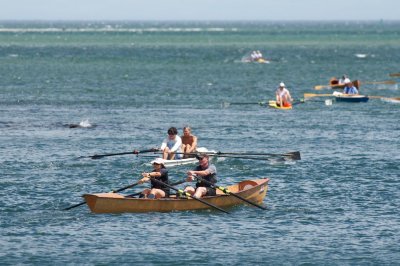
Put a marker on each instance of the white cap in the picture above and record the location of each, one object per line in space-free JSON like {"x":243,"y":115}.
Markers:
{"x":158,"y":161}
{"x":281,"y":84}
{"x":346,"y":81}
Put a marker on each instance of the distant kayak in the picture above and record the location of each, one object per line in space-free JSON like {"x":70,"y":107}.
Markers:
{"x":274,"y":105}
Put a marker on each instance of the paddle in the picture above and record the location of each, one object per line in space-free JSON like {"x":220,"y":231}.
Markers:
{"x":226,"y":191}
{"x":227,"y":104}
{"x":309,"y":95}
{"x":188,"y":195}
{"x":294,"y":155}
{"x":320,"y":87}
{"x":112,"y":191}
{"x":390,"y":82}
{"x":394,"y":74}
{"x":98,"y":156}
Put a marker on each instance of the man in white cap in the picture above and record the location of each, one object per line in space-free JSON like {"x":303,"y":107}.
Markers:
{"x":283,"y":97}
{"x":349,"y":88}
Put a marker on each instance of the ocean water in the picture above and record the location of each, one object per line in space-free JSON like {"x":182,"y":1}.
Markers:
{"x":126,"y":83}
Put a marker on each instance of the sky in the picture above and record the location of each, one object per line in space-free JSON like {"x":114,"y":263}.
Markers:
{"x":205,"y":10}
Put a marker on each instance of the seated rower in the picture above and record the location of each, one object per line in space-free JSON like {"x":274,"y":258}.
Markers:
{"x":171,"y":145}
{"x":189,"y":142}
{"x":349,"y":88}
{"x":207,"y":172}
{"x":157,"y":190}
{"x":283,"y":97}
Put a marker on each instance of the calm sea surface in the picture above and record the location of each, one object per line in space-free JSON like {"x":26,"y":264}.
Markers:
{"x":132,"y":81}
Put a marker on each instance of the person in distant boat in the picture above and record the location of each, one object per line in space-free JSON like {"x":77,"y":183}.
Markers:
{"x":206,"y":171}
{"x":189,"y":141}
{"x":283,"y":97}
{"x":349,"y":88}
{"x":341,"y":81}
{"x":259,"y":55}
{"x":157,"y":190}
{"x":171,"y":145}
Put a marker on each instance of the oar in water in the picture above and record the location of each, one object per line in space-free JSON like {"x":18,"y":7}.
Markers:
{"x":320,"y":87}
{"x":227,"y":104}
{"x":226,"y":191}
{"x":98,"y":156}
{"x":112,"y":191}
{"x":188,"y":195}
{"x":309,"y":95}
{"x":389,"y":82}
{"x":294,"y":155}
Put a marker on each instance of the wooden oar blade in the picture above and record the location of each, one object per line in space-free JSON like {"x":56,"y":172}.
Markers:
{"x":293,"y":155}
{"x":320,"y":87}
{"x":394,"y":74}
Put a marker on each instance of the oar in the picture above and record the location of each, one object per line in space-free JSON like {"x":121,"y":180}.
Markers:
{"x":98,"y":156}
{"x":112,"y":191}
{"x":390,"y":82}
{"x":394,"y":74}
{"x":226,"y":191}
{"x":383,"y":97}
{"x":227,"y":104}
{"x":309,"y":95}
{"x":188,"y":195}
{"x":320,"y":87}
{"x":294,"y":155}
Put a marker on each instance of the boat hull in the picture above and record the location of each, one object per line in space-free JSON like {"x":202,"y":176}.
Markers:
{"x":274,"y":105}
{"x":252,"y":190}
{"x":352,"y":99}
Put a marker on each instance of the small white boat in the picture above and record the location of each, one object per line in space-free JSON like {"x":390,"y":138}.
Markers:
{"x":170,"y":163}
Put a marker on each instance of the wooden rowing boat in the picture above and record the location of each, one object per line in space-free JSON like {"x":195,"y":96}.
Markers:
{"x":334,"y":83}
{"x":352,"y":98}
{"x":274,"y":105}
{"x":252,"y":190}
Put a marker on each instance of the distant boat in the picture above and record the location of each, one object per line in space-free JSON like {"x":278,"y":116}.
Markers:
{"x":334,"y":83}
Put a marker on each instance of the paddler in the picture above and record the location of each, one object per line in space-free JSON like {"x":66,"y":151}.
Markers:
{"x":283,"y":97}
{"x":160,"y":173}
{"x":171,"y":145}
{"x":189,"y":142}
{"x":349,"y":88}
{"x":206,"y":171}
